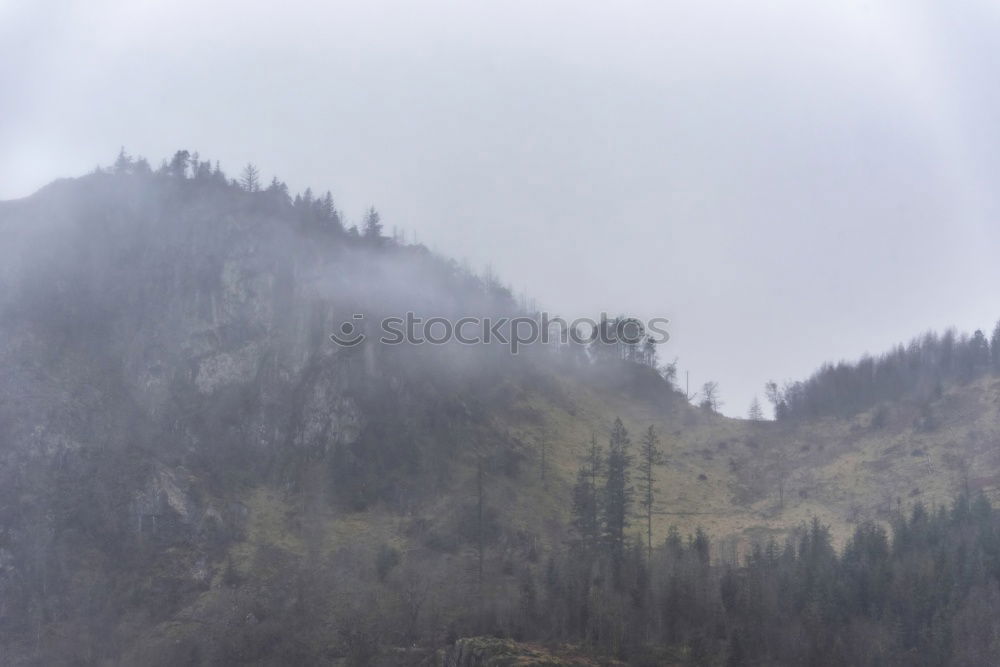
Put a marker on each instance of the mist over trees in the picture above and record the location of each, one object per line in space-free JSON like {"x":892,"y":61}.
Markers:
{"x":216,"y":483}
{"x":612,"y":339}
{"x":195,"y":377}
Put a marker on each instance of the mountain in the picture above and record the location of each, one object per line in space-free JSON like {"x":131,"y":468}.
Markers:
{"x":192,"y":472}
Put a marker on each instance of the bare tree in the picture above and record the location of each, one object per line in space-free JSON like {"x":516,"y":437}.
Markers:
{"x":710,"y":396}
{"x":776,"y":397}
{"x":250,"y":178}
{"x":669,"y":372}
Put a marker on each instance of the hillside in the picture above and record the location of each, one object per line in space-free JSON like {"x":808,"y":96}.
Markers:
{"x":747,"y":481}
{"x":192,"y":473}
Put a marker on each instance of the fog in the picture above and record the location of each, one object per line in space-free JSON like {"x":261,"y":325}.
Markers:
{"x":788,"y":184}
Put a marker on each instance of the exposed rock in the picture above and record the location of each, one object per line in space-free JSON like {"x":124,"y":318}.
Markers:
{"x":494,"y":652}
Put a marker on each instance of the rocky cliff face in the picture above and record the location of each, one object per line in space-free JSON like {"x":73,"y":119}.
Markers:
{"x":164,"y":347}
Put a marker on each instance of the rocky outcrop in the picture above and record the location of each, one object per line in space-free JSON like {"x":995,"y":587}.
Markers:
{"x":495,"y":652}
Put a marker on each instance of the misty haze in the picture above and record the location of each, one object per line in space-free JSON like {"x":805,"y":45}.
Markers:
{"x":485,"y":334}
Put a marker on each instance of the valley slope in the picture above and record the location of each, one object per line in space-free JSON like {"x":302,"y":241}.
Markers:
{"x":192,"y":472}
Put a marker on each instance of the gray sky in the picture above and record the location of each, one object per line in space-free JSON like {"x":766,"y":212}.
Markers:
{"x":788,"y":182}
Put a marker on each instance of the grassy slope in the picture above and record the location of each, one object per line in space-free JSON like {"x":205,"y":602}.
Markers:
{"x":838,"y":470}
{"x":721,"y":475}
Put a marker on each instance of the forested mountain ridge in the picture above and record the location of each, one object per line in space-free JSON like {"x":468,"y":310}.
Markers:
{"x":192,"y":473}
{"x":918,"y":371}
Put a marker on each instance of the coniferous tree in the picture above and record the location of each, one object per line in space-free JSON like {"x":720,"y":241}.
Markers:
{"x":618,"y":492}
{"x":372,"y":228}
{"x":650,"y":456}
{"x":649,"y":352}
{"x":325,"y":204}
{"x":700,"y":545}
{"x":329,"y":213}
{"x":584,"y":509}
{"x":543,"y":457}
{"x":756,"y":413}
{"x":587,"y":497}
{"x":279,"y":190}
{"x":123,"y":163}
{"x":218,"y":175}
{"x":973,"y":355}
{"x":179,"y":164}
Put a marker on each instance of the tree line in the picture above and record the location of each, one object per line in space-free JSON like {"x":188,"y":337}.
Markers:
{"x":317,"y":213}
{"x":919,"y":370}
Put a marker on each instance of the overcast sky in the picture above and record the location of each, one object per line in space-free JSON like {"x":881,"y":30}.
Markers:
{"x":789,"y":184}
